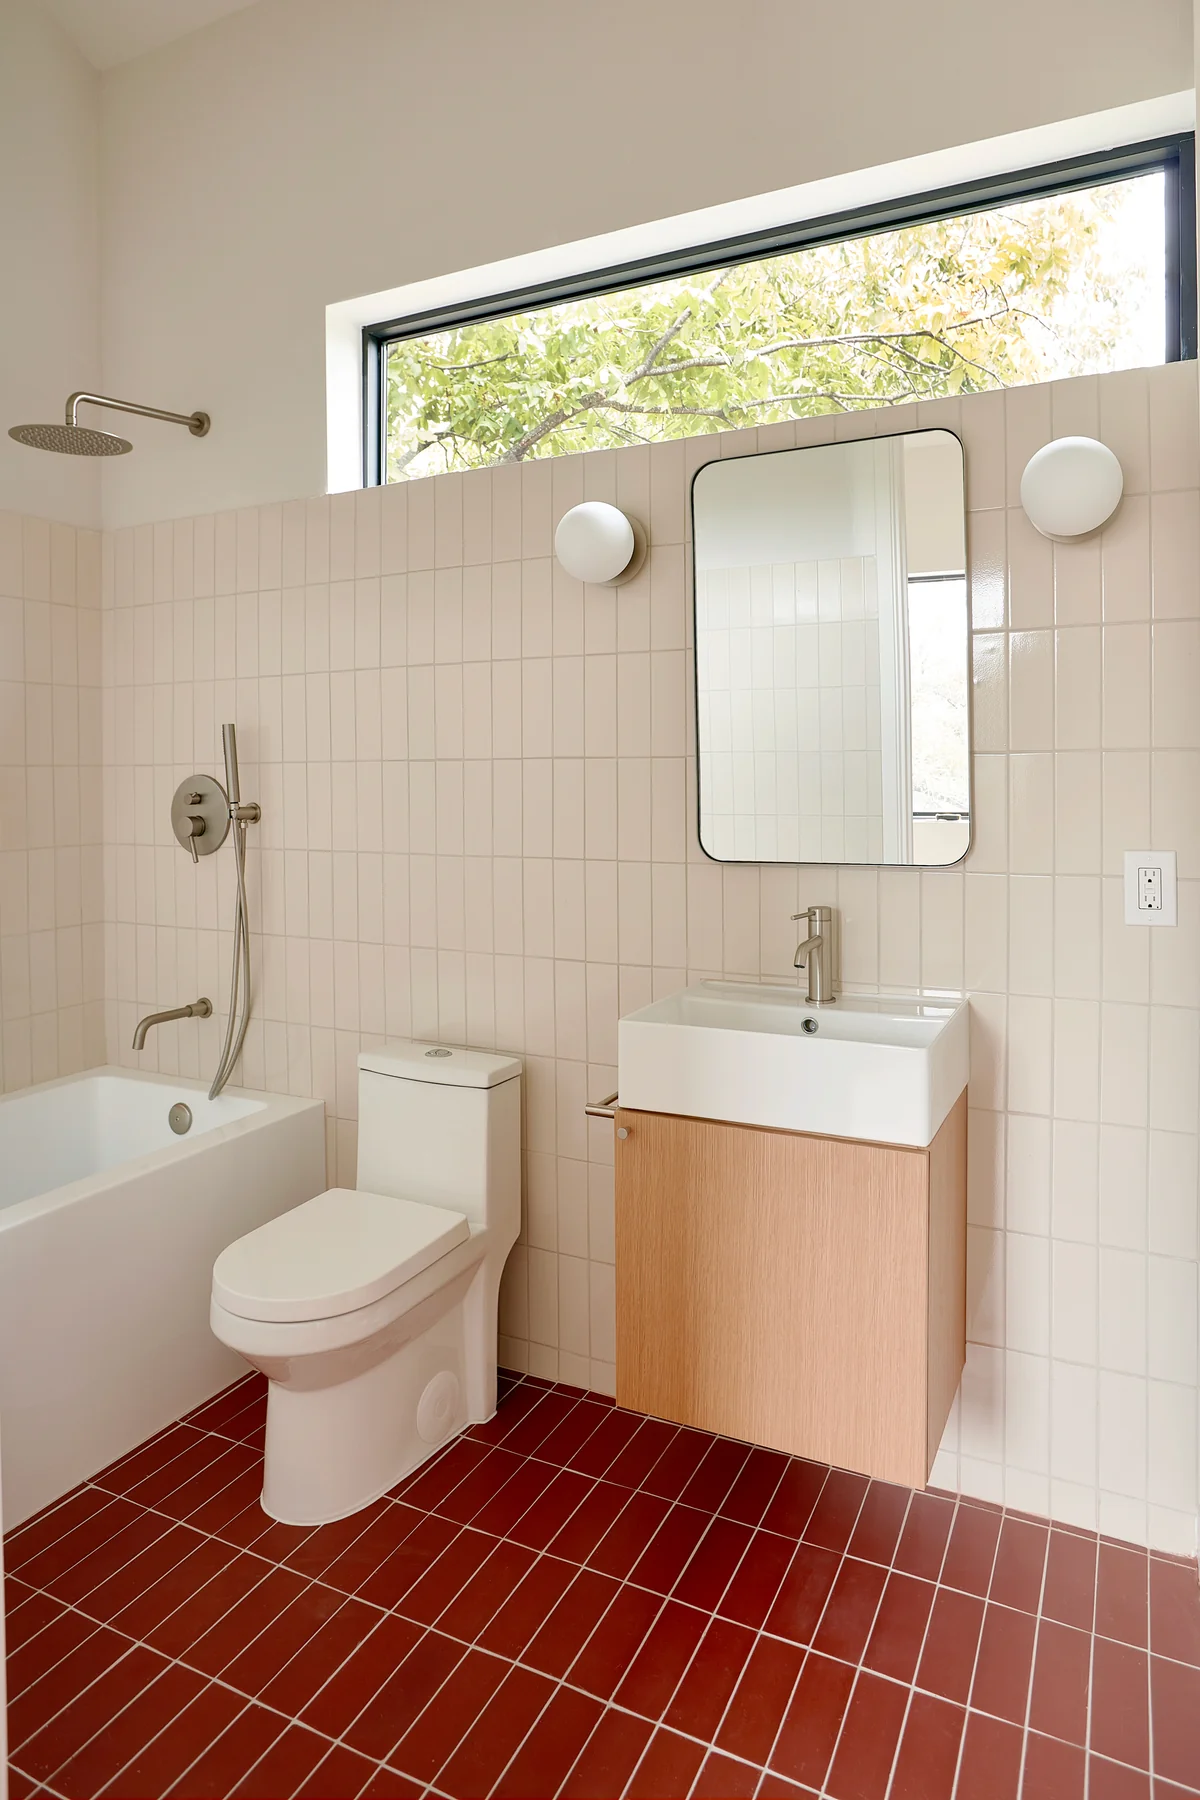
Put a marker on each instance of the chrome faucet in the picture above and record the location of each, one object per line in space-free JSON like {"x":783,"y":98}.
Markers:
{"x":199,"y":1009}
{"x":816,"y":954}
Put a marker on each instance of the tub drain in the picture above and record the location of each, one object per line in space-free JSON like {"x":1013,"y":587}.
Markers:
{"x":180,"y":1118}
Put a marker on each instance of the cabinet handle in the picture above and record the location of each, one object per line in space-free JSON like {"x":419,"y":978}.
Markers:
{"x":603,"y":1109}
{"x":622,"y":1131}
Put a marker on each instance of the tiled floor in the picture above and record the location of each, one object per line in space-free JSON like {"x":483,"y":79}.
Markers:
{"x":575,"y":1600}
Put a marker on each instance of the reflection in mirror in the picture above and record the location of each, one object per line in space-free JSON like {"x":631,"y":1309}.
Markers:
{"x":832,"y":654}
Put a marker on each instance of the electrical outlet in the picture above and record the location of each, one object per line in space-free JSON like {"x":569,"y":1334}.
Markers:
{"x":1150,"y":887}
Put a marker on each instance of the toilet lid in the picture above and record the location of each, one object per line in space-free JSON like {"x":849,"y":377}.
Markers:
{"x":333,"y":1255}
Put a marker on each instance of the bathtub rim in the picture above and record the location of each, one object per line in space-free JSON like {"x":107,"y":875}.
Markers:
{"x":273,"y":1107}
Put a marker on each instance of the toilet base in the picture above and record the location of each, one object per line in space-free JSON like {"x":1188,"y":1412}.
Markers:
{"x":333,"y":1449}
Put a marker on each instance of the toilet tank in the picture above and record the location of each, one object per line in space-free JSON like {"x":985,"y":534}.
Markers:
{"x":442,"y":1125}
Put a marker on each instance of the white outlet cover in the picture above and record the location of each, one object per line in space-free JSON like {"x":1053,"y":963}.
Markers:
{"x":1163,"y":860}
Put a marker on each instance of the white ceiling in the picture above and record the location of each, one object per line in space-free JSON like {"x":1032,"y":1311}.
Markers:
{"x":113,"y":31}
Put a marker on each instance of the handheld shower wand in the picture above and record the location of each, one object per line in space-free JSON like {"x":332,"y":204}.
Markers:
{"x":240,"y":815}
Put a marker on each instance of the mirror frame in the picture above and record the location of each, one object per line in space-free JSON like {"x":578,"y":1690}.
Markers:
{"x":789,"y":450}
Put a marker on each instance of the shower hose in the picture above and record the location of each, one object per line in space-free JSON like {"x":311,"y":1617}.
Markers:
{"x":239,"y":987}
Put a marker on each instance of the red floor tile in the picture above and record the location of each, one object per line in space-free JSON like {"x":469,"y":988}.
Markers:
{"x":609,"y":1756}
{"x":715,"y":1475}
{"x":660,"y":1662}
{"x":1114,"y":1781}
{"x":661,"y":1695}
{"x":714,"y":1561}
{"x":879,"y":1524}
{"x":1053,"y":1770}
{"x":760,"y":1699}
{"x":850,"y":1610}
{"x":755,"y":1486}
{"x":551,"y":1509}
{"x":232,"y":1756}
{"x":971,"y":1550}
{"x":86,"y":1714}
{"x":1175,"y":1611}
{"x":338,"y":1702}
{"x":1175,"y":1699}
{"x":641,"y":1453}
{"x":923,"y":1540}
{"x":557,"y":1643}
{"x":602,"y":1663}
{"x":802,"y":1595}
{"x":460,"y":1698}
{"x":724,"y":1779}
{"x":1122,"y":1595}
{"x":521,"y":1616}
{"x":1004,"y":1664}
{"x":669,"y":1766}
{"x":898,"y":1633}
{"x":1020,"y":1565}
{"x":951,"y":1640}
{"x":628,"y":1536}
{"x":341,"y":1776}
{"x":791,"y":1505}
{"x":103,"y":1757}
{"x":927,"y":1760}
{"x":991,"y":1760}
{"x":496,"y":1735}
{"x":804,"y":1748}
{"x":702,"y":1696}
{"x":288,"y":1763}
{"x":156,"y":1768}
{"x":862,"y":1762}
{"x":1120,"y":1702}
{"x":1069,"y":1594}
{"x":670,"y":1550}
{"x":1061,"y":1681}
{"x":543,"y":1762}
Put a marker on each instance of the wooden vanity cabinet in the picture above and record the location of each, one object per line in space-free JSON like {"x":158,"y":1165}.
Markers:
{"x":802,"y":1292}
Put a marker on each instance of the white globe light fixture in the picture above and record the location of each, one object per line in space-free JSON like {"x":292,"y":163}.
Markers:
{"x":1071,"y":487}
{"x":596,"y":542}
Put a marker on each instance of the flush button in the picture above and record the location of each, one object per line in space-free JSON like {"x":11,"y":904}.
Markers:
{"x":439,"y":1053}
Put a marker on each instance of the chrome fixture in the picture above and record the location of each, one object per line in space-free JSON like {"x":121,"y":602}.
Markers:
{"x":199,"y":1009}
{"x":202,"y":812}
{"x":74,"y":439}
{"x":603,"y":1109}
{"x":816,"y":954}
{"x":180,"y":1118}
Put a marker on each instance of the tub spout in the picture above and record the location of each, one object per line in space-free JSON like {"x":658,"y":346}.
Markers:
{"x":199,"y":1009}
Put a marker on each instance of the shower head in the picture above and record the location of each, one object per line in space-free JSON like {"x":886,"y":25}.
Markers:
{"x":70,"y":440}
{"x":74,"y":439}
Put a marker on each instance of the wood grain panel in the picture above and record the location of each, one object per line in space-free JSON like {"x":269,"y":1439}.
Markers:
{"x":947,"y":1269}
{"x":773,"y":1286}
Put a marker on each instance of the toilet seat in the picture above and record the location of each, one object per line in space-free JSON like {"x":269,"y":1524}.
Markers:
{"x":334,"y":1254}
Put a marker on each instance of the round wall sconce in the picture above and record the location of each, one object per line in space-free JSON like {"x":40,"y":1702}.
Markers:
{"x":598,"y":543}
{"x":1071,"y":487}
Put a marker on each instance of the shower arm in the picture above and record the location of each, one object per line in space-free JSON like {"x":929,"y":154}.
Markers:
{"x":197,"y":423}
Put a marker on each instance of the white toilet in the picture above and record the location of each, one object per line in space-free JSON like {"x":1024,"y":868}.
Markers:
{"x":372,"y":1310}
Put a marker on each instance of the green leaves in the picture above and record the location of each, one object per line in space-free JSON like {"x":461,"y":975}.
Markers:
{"x":1022,"y":293}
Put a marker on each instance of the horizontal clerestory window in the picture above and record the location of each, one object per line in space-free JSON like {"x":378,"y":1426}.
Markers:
{"x":1072,"y":269}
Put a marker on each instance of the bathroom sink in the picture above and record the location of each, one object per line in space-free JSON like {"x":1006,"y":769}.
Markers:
{"x":883,"y":1069}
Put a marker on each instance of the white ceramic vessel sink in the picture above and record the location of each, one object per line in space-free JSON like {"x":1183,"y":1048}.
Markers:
{"x":882,"y":1069}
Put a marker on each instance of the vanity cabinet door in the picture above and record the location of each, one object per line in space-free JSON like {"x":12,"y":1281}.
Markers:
{"x":776,"y":1287}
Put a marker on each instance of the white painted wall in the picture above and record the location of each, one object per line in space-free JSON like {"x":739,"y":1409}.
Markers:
{"x":297,"y":153}
{"x":49,"y":341}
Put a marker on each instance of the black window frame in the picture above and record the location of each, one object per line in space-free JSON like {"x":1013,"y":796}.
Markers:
{"x":1174,"y":156}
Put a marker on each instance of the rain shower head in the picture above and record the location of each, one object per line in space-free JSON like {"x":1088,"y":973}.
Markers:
{"x":70,"y":440}
{"x":73,"y":439}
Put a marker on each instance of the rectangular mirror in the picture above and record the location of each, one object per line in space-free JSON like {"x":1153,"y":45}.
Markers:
{"x":833,"y":654}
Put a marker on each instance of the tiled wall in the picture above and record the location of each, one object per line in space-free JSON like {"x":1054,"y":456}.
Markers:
{"x":479,"y":824}
{"x":51,"y":883}
{"x":788,"y":661}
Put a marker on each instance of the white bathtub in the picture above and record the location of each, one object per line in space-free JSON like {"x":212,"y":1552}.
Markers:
{"x":109,"y":1227}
